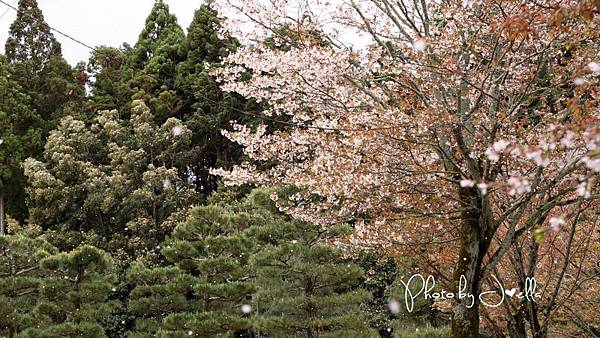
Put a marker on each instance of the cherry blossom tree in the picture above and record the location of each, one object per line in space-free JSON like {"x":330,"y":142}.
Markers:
{"x":468,"y":123}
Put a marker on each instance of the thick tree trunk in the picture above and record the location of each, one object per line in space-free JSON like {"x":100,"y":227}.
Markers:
{"x":475,"y":240}
{"x":465,"y":316}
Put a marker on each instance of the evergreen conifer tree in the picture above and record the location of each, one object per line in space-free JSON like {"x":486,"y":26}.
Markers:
{"x":20,"y":137}
{"x":228,"y":262}
{"x":306,"y":288}
{"x":210,"y":255}
{"x":151,"y":66}
{"x":38,"y":64}
{"x":20,"y":280}
{"x":112,"y":183}
{"x":31,"y":42}
{"x":380,"y":275}
{"x":105,"y":66}
{"x":157,"y":292}
{"x":75,"y":295}
{"x":207,"y":110}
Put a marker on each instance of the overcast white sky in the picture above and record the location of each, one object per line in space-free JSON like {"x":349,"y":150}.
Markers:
{"x":97,"y":22}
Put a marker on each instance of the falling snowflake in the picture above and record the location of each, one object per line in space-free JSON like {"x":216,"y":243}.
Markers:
{"x":166,"y":183}
{"x":177,"y":130}
{"x":556,"y":223}
{"x":482,"y":188}
{"x":394,"y":306}
{"x":579,"y":81}
{"x":419,"y":45}
{"x":467,"y":183}
{"x":594,"y":67}
{"x":246,"y":308}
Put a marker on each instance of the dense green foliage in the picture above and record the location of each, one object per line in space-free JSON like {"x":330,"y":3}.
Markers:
{"x":20,"y":137}
{"x":20,"y":281}
{"x":75,"y":291}
{"x":37,"y":89}
{"x":113,"y":182}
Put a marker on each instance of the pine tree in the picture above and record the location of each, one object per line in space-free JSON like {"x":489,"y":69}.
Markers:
{"x":20,"y":137}
{"x":307,"y":289}
{"x":210,"y":253}
{"x":381,"y":274}
{"x":20,"y":279}
{"x":228,"y":262}
{"x":157,"y":293}
{"x":75,"y":294}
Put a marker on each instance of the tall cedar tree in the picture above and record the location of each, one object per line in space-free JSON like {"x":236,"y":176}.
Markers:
{"x":207,"y":109}
{"x":20,"y":281}
{"x":105,"y":67}
{"x":75,"y":292}
{"x":39,"y":66}
{"x":151,"y":66}
{"x":31,"y":42}
{"x":42,"y":74}
{"x":20,"y":136}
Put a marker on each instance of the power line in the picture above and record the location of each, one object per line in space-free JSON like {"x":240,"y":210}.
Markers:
{"x":51,"y":28}
{"x":7,"y":10}
{"x":168,"y":84}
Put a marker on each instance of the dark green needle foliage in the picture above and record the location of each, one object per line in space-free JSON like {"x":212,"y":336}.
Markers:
{"x":38,"y":64}
{"x":75,"y":294}
{"x":20,"y":137}
{"x":35,"y":90}
{"x":206,"y":109}
{"x":209,"y":254}
{"x":30,"y":41}
{"x":157,"y":293}
{"x":105,"y":69}
{"x":380,"y":276}
{"x":20,"y":281}
{"x":152,"y":63}
{"x":307,"y":289}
